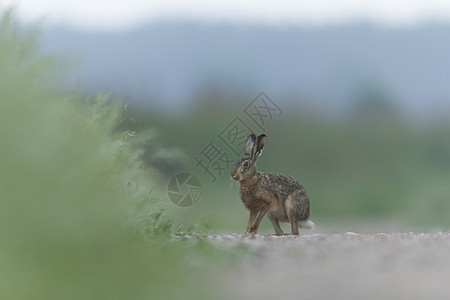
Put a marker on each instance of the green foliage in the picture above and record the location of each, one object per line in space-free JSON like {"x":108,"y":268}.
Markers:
{"x":73,"y":191}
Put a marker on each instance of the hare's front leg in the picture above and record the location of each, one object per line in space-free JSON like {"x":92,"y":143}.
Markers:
{"x":251,"y":220}
{"x":262,"y":213}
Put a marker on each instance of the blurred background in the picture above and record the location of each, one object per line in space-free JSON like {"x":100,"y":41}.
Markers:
{"x":361,"y":92}
{"x":102,"y":103}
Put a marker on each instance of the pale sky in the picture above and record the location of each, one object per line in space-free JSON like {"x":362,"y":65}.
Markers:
{"x":126,"y":14}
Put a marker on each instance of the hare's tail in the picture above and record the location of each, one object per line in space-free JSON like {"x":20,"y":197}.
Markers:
{"x":306,"y":224}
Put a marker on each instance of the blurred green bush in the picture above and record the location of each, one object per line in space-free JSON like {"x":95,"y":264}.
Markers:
{"x":78,"y":219}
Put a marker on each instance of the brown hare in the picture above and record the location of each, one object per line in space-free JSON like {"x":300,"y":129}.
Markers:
{"x":280,"y":197}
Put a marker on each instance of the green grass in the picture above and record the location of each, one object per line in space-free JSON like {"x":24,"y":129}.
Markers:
{"x":79,"y":214}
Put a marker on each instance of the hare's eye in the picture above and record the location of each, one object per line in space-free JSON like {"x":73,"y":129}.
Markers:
{"x":245,"y":163}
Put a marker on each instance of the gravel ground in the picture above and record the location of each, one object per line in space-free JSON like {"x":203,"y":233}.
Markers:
{"x":340,"y":266}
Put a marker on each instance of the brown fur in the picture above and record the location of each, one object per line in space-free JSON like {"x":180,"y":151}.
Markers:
{"x":280,"y":197}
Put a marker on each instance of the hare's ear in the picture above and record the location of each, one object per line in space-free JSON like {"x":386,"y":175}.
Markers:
{"x":249,"y":145}
{"x":260,"y":142}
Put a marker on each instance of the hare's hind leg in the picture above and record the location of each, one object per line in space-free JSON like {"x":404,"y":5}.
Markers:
{"x":276,"y":225}
{"x":291,"y":211}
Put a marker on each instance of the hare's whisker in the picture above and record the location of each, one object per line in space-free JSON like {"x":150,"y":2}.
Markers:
{"x":229,"y":188}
